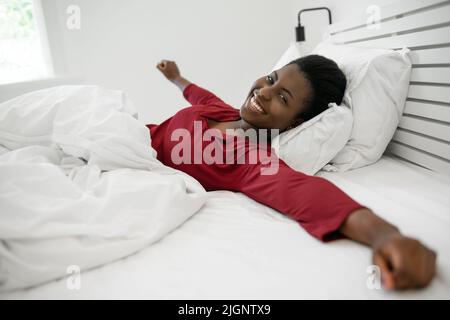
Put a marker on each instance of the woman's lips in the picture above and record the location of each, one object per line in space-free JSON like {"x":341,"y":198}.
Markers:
{"x":254,"y":106}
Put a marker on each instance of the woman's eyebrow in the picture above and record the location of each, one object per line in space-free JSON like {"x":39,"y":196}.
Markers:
{"x":276,"y":76}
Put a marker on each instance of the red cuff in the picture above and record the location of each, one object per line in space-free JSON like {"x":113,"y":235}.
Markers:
{"x":185,"y":91}
{"x":330,"y":231}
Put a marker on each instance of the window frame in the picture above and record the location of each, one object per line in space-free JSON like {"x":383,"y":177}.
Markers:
{"x":47,"y":58}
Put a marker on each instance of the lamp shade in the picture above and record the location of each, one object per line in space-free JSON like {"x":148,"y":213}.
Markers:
{"x":300,"y":33}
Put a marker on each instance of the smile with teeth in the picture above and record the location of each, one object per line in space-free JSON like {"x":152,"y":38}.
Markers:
{"x":255,"y":107}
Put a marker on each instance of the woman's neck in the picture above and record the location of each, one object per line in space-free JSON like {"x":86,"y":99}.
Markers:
{"x":244,"y":125}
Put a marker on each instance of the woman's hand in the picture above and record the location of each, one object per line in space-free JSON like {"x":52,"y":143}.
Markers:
{"x":404,"y":262}
{"x":169,"y":69}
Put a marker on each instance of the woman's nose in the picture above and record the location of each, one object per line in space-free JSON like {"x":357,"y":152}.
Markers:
{"x":264,"y":93}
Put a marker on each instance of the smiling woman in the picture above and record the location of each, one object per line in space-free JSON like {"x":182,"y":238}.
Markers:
{"x":23,"y":46}
{"x":288,"y":96}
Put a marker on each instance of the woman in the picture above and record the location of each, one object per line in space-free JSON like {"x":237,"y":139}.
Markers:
{"x":282,"y":100}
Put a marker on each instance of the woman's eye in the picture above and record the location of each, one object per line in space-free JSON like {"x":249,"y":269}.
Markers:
{"x":270,"y":79}
{"x":283,"y":98}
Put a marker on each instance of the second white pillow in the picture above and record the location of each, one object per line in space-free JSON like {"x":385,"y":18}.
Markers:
{"x":377,"y":85}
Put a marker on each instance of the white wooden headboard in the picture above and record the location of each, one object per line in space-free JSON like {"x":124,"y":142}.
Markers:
{"x":423,"y":135}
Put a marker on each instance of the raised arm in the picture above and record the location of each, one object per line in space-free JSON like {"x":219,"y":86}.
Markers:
{"x":170,"y":70}
{"x":191,"y":92}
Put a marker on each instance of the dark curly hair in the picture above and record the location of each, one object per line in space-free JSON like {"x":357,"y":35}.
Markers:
{"x":327,"y":82}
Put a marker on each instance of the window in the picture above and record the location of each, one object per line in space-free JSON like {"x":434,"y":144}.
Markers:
{"x":23,"y":53}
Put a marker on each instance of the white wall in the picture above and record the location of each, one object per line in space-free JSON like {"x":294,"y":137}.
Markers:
{"x":220,"y":44}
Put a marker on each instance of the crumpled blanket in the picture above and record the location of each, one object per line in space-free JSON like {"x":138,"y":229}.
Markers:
{"x":80,"y":184}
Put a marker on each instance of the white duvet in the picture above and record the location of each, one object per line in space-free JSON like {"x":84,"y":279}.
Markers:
{"x":80,"y":185}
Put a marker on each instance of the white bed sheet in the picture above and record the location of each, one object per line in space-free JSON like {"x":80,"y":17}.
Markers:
{"x":236,"y":248}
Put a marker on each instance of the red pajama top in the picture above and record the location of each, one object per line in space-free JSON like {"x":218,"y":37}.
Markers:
{"x":314,"y":202}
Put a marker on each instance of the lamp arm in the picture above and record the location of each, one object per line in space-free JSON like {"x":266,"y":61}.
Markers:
{"x":313,"y":9}
{"x":300,"y":30}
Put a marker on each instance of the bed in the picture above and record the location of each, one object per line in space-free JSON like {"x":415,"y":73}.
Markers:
{"x":236,"y":248}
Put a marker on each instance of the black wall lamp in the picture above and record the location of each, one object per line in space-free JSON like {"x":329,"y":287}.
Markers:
{"x":300,"y":30}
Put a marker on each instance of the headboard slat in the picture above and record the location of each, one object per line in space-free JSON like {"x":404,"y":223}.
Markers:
{"x":427,"y":92}
{"x":432,"y":75}
{"x":425,"y":38}
{"x":431,"y":56}
{"x":427,"y":127}
{"x":425,"y":143}
{"x":427,"y":110}
{"x":419,"y":157}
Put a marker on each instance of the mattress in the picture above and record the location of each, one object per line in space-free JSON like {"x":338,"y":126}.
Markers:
{"x":236,"y":248}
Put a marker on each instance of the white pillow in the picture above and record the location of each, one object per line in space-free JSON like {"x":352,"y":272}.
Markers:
{"x":377,"y":85}
{"x":310,"y":146}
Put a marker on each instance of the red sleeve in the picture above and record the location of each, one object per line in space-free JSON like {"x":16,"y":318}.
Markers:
{"x":317,"y":204}
{"x":199,"y":96}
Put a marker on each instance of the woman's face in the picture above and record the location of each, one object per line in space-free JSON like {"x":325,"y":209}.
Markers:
{"x":275,"y":101}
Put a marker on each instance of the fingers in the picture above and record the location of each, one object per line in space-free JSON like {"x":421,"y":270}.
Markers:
{"x":164,"y":64}
{"x":402,"y":274}
{"x":402,"y":280}
{"x":426,"y":267}
{"x":409,"y":265}
{"x":398,"y":275}
{"x":432,"y":265}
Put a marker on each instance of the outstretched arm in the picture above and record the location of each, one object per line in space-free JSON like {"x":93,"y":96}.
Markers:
{"x":325,"y":211}
{"x":170,"y":70}
{"x":404,"y":262}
